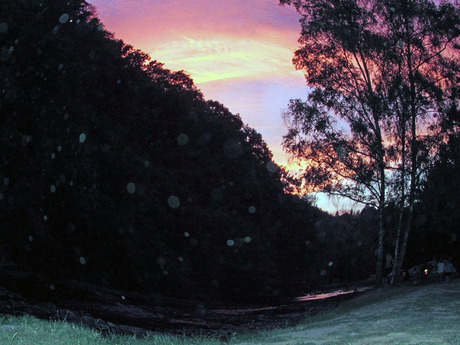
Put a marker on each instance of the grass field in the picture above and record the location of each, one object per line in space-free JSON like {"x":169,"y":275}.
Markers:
{"x":428,"y":314}
{"x":422,"y":315}
{"x":28,"y":330}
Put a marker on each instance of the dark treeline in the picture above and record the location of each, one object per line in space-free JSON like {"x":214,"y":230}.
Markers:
{"x":117,"y":171}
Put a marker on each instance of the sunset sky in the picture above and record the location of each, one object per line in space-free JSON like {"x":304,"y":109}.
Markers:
{"x":238,"y":52}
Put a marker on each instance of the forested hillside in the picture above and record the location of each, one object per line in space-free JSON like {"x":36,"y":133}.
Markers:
{"x":117,"y":171}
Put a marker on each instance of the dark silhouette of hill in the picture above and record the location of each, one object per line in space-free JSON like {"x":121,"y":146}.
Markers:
{"x":117,"y":171}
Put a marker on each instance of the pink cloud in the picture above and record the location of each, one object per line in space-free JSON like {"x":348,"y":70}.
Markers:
{"x":137,"y":20}
{"x":238,"y":52}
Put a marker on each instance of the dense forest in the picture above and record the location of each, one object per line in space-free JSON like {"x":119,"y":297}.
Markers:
{"x":117,"y":171}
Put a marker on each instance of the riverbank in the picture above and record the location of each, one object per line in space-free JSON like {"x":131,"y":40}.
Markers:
{"x":111,"y":311}
{"x":408,"y":314}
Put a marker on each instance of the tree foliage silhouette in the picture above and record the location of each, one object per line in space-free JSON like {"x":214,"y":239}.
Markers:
{"x":376,"y":69}
{"x":117,"y":171}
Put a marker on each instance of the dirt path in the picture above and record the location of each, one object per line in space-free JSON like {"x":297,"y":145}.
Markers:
{"x":427,"y":314}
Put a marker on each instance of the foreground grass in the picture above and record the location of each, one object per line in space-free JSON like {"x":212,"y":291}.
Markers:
{"x":32,"y":331}
{"x":420,"y":315}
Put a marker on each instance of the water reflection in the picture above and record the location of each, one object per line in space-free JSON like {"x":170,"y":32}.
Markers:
{"x":319,"y":296}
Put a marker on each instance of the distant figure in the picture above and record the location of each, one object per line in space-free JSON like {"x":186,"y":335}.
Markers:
{"x":433,"y":265}
{"x":448,"y":270}
{"x":416,"y":272}
{"x":440,"y":270}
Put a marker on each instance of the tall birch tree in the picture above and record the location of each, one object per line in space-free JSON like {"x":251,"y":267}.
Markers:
{"x":425,"y":70}
{"x":376,"y":72}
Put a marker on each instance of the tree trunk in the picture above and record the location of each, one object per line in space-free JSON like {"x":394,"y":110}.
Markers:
{"x":402,"y":251}
{"x":378,"y":271}
{"x":414,"y":151}
{"x":405,"y":240}
{"x":382,"y":199}
{"x":395,"y":276}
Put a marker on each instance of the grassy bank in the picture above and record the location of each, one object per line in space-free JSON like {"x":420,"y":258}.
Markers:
{"x":419,"y":315}
{"x":427,"y":314}
{"x":28,"y":330}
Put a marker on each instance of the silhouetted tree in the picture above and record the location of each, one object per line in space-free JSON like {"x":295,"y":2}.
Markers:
{"x":439,"y":195}
{"x":376,"y":68}
{"x":425,"y":69}
{"x":339,"y":131}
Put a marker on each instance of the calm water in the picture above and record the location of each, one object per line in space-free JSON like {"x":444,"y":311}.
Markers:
{"x":319,"y":296}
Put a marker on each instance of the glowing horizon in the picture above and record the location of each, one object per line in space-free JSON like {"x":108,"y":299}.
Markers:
{"x":224,"y":58}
